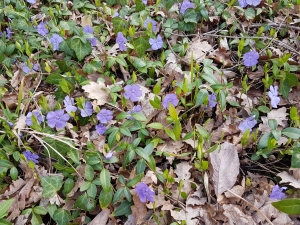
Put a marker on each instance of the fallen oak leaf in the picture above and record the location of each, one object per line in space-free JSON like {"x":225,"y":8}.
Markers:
{"x":97,"y":91}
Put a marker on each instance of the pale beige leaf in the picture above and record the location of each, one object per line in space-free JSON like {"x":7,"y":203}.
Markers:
{"x":287,"y":178}
{"x":198,"y":49}
{"x":97,"y":91}
{"x":86,"y":21}
{"x":225,"y":167}
{"x":139,"y":210}
{"x":182,"y":171}
{"x":14,"y":187}
{"x":101,"y":218}
{"x":236,"y":216}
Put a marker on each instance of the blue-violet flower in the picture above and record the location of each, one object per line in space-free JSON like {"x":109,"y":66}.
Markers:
{"x":248,"y":123}
{"x":153,"y":22}
{"x":212,"y":100}
{"x":37,"y":114}
{"x":135,"y":109}
{"x":251,"y":58}
{"x":31,"y":156}
{"x":133,"y":92}
{"x":55,"y":41}
{"x":57,"y":119}
{"x":105,"y":115}
{"x":144,"y":192}
{"x":273,"y":94}
{"x":277,"y":193}
{"x":186,"y":4}
{"x":121,"y":41}
{"x":87,"y":109}
{"x":156,"y":43}
{"x":26,"y":69}
{"x":109,"y":155}
{"x":41,"y":29}
{"x":69,"y":104}
{"x":170,"y":98}
{"x":100,"y":129}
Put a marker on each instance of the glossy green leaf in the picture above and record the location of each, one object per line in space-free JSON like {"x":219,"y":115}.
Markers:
{"x":105,"y":180}
{"x":86,"y":202}
{"x":89,"y":172}
{"x":4,"y":206}
{"x":289,"y":206}
{"x":119,"y":24}
{"x":291,"y":132}
{"x":141,"y":152}
{"x":141,"y":44}
{"x":118,"y":195}
{"x":295,"y":162}
{"x":105,"y":198}
{"x":133,"y":181}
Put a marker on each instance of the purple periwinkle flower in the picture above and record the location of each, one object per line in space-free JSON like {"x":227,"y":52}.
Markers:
{"x":186,"y":4}
{"x":212,"y":100}
{"x":273,"y":94}
{"x":115,"y":14}
{"x":133,"y":92}
{"x":121,"y":41}
{"x":153,"y":22}
{"x":8,"y":33}
{"x":248,"y":123}
{"x":87,"y":109}
{"x":277,"y":193}
{"x":31,"y":1}
{"x":69,"y":104}
{"x":156,"y":43}
{"x":145,"y":2}
{"x":105,"y":115}
{"x":100,"y":129}
{"x":55,"y":41}
{"x":31,"y":156}
{"x":251,"y":58}
{"x":10,"y":124}
{"x":41,"y":29}
{"x":243,"y":3}
{"x":37,"y":114}
{"x":26,"y":69}
{"x":88,"y":29}
{"x":144,"y":192}
{"x":253,"y":2}
{"x":135,"y":109}
{"x":170,"y":98}
{"x":57,"y":119}
{"x":109,"y":155}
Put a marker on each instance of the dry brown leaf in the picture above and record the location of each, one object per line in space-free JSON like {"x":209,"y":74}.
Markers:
{"x":280,"y":115}
{"x":182,"y":171}
{"x":139,"y":210}
{"x":225,"y":167}
{"x":236,"y":216}
{"x":10,"y":100}
{"x":101,"y":218}
{"x":173,"y":147}
{"x":172,"y":69}
{"x":198,"y":49}
{"x":97,"y":91}
{"x":14,"y":187}
{"x":238,"y":190}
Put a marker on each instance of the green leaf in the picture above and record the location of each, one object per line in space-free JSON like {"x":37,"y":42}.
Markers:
{"x":222,"y":99}
{"x":263,"y":142}
{"x":139,"y":117}
{"x":92,"y":191}
{"x":209,"y":78}
{"x":291,"y":132}
{"x":202,"y":131}
{"x":125,"y":131}
{"x":40,"y":210}
{"x":249,"y":13}
{"x":89,"y":172}
{"x":272,"y":124}
{"x":118,"y":195}
{"x":4,"y":206}
{"x":156,"y":126}
{"x":74,"y":155}
{"x":140,"y":166}
{"x":36,"y":219}
{"x":68,"y":185}
{"x":123,"y":209}
{"x":81,"y":49}
{"x":54,"y":78}
{"x":170,"y":133}
{"x":62,"y":217}
{"x":285,"y":88}
{"x":119,"y":24}
{"x":289,"y":206}
{"x":295,"y":162}
{"x":149,"y":148}
{"x":276,"y":134}
{"x":59,"y":146}
{"x":105,"y":180}
{"x":190,"y":16}
{"x":13,"y":173}
{"x":140,"y":151}
{"x":4,"y":222}
{"x":141,"y":44}
{"x":177,"y":129}
{"x":172,"y":112}
{"x":85,"y":202}
{"x":105,"y":198}
{"x":263,"y":109}
{"x":51,"y":185}
{"x":133,"y":181}
{"x":201,"y":96}
{"x":139,"y":5}
{"x":62,"y":65}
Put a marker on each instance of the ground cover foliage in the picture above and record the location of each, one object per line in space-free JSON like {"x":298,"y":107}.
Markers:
{"x":149,"y":112}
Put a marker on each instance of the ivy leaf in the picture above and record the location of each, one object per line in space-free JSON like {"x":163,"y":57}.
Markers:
{"x":61,"y":216}
{"x":51,"y":185}
{"x":119,"y":24}
{"x":85,"y":202}
{"x":81,"y":49}
{"x":141,"y":44}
